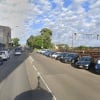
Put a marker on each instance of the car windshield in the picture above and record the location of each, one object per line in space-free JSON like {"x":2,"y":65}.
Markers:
{"x":72,"y":55}
{"x":85,"y":59}
{"x":2,"y":53}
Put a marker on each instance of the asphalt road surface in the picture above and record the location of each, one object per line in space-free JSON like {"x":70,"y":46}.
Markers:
{"x":65,"y":81}
{"x":56,"y":80}
{"x":18,"y":80}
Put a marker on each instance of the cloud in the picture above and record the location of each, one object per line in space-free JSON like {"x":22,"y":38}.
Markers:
{"x":33,"y":15}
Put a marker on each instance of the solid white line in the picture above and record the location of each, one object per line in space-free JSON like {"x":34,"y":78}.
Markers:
{"x":46,"y":85}
{"x":44,"y":82}
{"x":38,"y":73}
{"x":35,"y":68}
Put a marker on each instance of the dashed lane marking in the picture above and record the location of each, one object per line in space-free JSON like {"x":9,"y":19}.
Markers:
{"x":39,"y":74}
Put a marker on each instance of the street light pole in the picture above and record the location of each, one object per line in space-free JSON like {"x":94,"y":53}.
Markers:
{"x":73,"y":39}
{"x":42,"y":42}
{"x":97,"y":36}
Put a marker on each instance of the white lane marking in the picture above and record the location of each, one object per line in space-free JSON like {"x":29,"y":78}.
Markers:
{"x":44,"y":82}
{"x":32,"y":59}
{"x":47,"y":86}
{"x":38,"y":73}
{"x":35,"y":68}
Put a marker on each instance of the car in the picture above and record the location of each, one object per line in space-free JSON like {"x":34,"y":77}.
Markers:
{"x":42,"y":51}
{"x":55,"y":55}
{"x":71,"y":58}
{"x":1,"y":61}
{"x":97,"y":66}
{"x":61,"y":56}
{"x":18,"y":51}
{"x":84,"y":62}
{"x":4,"y":54}
{"x":49,"y":53}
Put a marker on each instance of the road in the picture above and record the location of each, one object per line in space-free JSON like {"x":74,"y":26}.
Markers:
{"x":12,"y":77}
{"x":18,"y":80}
{"x":65,"y":81}
{"x":56,"y":80}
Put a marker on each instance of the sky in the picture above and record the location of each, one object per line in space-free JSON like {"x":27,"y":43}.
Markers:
{"x":63,"y":17}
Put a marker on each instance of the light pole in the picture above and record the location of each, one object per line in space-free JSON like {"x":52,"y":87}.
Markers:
{"x":97,"y":36}
{"x":42,"y":42}
{"x":73,"y":39}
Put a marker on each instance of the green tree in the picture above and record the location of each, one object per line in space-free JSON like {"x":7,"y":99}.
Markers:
{"x":63,"y":47}
{"x":37,"y":42}
{"x":46,"y":37}
{"x":34,"y":41}
{"x":30,"y":41}
{"x":41,"y":41}
{"x":82,"y":47}
{"x":15,"y":41}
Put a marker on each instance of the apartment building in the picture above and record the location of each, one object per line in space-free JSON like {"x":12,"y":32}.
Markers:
{"x":5,"y":37}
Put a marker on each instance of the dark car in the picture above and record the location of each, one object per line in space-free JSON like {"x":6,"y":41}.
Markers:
{"x":84,"y":62}
{"x":61,"y":56}
{"x":48,"y":53}
{"x":1,"y":61}
{"x":71,"y":58}
{"x":97,"y":66}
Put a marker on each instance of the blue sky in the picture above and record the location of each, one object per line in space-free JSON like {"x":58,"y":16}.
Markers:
{"x":63,"y":17}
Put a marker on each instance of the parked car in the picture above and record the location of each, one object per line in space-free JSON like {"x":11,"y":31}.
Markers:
{"x":84,"y":62}
{"x":61,"y":56}
{"x":1,"y":61}
{"x":42,"y":51}
{"x":4,"y":54}
{"x":48,"y":53}
{"x":97,"y":66}
{"x":55,"y":55}
{"x":71,"y":58}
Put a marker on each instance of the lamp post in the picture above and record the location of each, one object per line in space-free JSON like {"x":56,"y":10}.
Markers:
{"x":42,"y":41}
{"x":73,"y":39}
{"x":97,"y":36}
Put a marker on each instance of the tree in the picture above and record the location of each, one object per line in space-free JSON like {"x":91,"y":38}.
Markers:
{"x":63,"y":47}
{"x":82,"y":47}
{"x":34,"y":41}
{"x":30,"y":41}
{"x":46,"y":37}
{"x":41,"y":41}
{"x":15,"y":41}
{"x":45,"y":31}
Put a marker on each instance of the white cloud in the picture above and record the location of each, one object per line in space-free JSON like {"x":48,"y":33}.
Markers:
{"x":79,"y":1}
{"x":62,"y":21}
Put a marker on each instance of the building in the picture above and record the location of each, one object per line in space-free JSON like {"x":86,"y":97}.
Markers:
{"x":5,"y":37}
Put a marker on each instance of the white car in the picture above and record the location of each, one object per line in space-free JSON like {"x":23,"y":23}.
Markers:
{"x":4,"y":54}
{"x":55,"y":55}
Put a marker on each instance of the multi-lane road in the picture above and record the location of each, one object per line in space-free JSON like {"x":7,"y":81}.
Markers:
{"x":57,"y":81}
